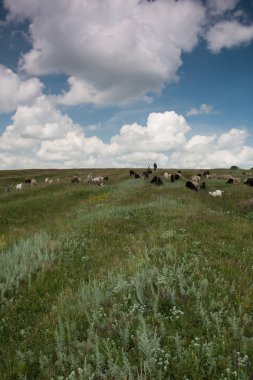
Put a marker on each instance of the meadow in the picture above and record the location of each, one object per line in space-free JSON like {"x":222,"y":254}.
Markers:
{"x":129,"y":281}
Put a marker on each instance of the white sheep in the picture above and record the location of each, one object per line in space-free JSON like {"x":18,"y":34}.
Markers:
{"x":33,"y":182}
{"x":216,"y":193}
{"x":19,"y":186}
{"x":196,"y":178}
{"x":46,"y":180}
{"x":50,"y":181}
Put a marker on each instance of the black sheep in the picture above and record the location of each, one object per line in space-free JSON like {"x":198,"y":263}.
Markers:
{"x":156,"y":180}
{"x":191,"y":186}
{"x":248,"y":181}
{"x":230,"y":181}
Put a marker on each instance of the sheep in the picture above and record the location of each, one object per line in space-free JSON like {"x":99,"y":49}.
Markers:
{"x":191,"y":186}
{"x":203,"y":185}
{"x":196,"y":178}
{"x":89,"y":177}
{"x":98,"y":181}
{"x":211,"y":176}
{"x":131,"y":172}
{"x":237,"y":180}
{"x":248,"y":181}
{"x":137,"y":176}
{"x":75,"y":179}
{"x":50,"y":181}
{"x":169,"y":176}
{"x":33,"y":182}
{"x":19,"y":186}
{"x":146,"y":173}
{"x":28,"y":180}
{"x":216,"y":193}
{"x":46,"y":180}
{"x":156,"y":180}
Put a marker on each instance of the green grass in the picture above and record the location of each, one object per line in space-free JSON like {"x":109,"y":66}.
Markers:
{"x":125,"y":281}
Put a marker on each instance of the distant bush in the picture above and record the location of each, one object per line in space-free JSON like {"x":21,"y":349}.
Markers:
{"x":234,"y":167}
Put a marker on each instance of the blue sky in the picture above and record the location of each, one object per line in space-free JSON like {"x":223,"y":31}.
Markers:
{"x":110,"y":83}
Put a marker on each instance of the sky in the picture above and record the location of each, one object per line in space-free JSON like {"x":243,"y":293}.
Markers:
{"x":115,"y":83}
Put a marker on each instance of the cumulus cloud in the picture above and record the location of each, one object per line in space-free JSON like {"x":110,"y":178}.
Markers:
{"x":16,"y":91}
{"x":228,"y":34}
{"x":113,"y":51}
{"x":204,"y":109}
{"x":43,"y":137}
{"x":218,"y":7}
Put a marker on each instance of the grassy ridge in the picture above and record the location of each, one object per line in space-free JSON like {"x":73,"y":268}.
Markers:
{"x":128,"y":281}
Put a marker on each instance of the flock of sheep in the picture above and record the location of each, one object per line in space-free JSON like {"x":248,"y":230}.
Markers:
{"x":100,"y":181}
{"x":196,"y":182}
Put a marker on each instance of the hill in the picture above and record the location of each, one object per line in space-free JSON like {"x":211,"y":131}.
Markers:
{"x":125,"y":281}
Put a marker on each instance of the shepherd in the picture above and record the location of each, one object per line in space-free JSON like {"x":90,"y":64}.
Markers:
{"x":155,"y":166}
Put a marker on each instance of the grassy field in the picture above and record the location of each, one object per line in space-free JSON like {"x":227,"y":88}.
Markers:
{"x":129,"y":281}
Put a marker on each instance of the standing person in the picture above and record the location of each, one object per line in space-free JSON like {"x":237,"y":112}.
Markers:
{"x":155,"y":166}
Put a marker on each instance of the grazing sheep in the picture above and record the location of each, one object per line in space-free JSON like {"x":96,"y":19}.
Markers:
{"x":50,"y":181}
{"x":248,"y":181}
{"x":237,"y":180}
{"x":33,"y":182}
{"x":156,"y":181}
{"x":191,"y":186}
{"x":224,"y":176}
{"x":230,"y":181}
{"x":211,"y":176}
{"x":75,"y":179}
{"x":89,"y":177}
{"x":98,"y":181}
{"x":206,"y":172}
{"x":167,"y":175}
{"x":131,"y":172}
{"x":146,"y":173}
{"x":216,"y":193}
{"x":137,"y":176}
{"x":28,"y":180}
{"x":196,"y":178}
{"x":19,"y":186}
{"x":46,"y":180}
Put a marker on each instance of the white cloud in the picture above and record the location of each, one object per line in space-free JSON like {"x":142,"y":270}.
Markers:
{"x":218,"y":7}
{"x":114,"y":51}
{"x":228,"y":34}
{"x":16,"y":91}
{"x":42,"y":137}
{"x":204,"y":109}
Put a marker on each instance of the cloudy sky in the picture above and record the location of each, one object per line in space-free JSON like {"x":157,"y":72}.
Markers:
{"x":116,"y":83}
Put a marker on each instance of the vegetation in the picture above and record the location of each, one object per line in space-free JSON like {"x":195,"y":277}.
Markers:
{"x":126,"y":281}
